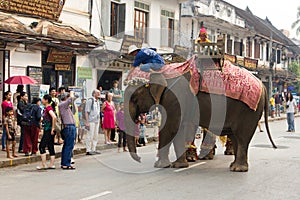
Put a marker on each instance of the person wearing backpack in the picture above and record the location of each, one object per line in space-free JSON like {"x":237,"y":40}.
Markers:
{"x":33,"y":113}
{"x":22,"y":103}
{"x":92,"y":115}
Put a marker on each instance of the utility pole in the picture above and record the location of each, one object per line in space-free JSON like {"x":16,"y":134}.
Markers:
{"x":271,"y":64}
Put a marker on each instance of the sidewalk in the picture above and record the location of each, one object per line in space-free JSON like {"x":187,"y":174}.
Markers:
{"x":80,"y":147}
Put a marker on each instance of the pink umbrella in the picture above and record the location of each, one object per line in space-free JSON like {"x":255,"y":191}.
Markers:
{"x":20,"y":80}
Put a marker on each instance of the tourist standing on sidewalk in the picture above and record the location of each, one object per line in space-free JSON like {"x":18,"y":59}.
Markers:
{"x":82,"y":120}
{"x":291,"y":107}
{"x":49,"y":120}
{"x":9,"y":124}
{"x":121,"y":126}
{"x":5,"y":104}
{"x":23,"y":99}
{"x":108,"y":110}
{"x":69,"y":130}
{"x":32,"y":129}
{"x":92,"y":115}
{"x":20,"y":88}
{"x":117,"y":99}
{"x":278,"y":102}
{"x":55,"y":101}
{"x":272,"y":104}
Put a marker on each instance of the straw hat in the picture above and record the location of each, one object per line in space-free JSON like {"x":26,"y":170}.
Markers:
{"x":132,"y":48}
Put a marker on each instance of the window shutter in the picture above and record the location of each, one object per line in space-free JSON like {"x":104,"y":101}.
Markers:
{"x":105,"y":16}
{"x":164,"y":32}
{"x":121,"y":23}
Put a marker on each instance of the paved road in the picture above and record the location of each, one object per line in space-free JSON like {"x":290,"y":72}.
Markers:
{"x":274,"y":174}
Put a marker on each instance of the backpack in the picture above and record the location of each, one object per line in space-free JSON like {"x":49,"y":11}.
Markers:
{"x":92,"y":105}
{"x":27,"y":116}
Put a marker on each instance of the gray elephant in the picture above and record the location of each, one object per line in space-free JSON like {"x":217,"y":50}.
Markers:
{"x":183,"y":112}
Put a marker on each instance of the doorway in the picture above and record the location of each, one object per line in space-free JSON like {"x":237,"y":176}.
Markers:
{"x":106,"y":78}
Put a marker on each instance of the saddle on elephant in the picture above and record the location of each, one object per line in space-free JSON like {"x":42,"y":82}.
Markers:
{"x":232,"y":81}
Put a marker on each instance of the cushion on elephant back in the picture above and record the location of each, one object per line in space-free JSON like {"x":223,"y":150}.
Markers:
{"x":171,"y":71}
{"x":234,"y":82}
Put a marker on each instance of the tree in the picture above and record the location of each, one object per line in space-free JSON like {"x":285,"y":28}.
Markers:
{"x":296,"y":24}
{"x":294,"y":68}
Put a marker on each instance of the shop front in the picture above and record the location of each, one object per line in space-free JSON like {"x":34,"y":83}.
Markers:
{"x":58,"y":68}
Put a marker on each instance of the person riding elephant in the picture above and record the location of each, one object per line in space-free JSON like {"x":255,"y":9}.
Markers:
{"x":147,"y":58}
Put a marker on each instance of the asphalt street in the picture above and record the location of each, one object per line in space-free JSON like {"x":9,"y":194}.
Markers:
{"x":273,"y":174}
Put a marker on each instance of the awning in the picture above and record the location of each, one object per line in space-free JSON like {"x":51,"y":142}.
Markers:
{"x":65,"y":36}
{"x":12,"y":30}
{"x":46,"y":33}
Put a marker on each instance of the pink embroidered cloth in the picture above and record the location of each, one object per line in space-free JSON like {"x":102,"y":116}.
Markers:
{"x":234,"y":82}
{"x":172,"y":71}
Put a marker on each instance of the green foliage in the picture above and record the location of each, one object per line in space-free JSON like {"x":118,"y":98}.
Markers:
{"x":294,"y":67}
{"x":296,"y":24}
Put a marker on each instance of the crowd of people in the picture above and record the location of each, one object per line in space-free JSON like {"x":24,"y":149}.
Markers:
{"x":57,"y":120}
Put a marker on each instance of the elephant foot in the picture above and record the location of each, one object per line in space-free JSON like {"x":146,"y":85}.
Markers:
{"x":234,"y":167}
{"x":209,"y":156}
{"x":162,"y":164}
{"x":191,"y":154}
{"x":180,"y":164}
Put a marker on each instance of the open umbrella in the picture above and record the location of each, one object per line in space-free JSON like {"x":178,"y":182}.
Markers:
{"x":20,"y":80}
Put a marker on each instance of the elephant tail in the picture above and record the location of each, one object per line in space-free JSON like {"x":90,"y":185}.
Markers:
{"x":266,"y":114}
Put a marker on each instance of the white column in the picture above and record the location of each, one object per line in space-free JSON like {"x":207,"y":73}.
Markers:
{"x":225,"y":47}
{"x":232,"y":49}
{"x":253,"y":48}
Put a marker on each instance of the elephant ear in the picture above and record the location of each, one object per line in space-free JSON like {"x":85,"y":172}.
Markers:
{"x":158,"y":84}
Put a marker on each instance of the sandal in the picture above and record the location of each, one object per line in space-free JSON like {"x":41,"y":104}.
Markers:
{"x":41,"y":168}
{"x":52,"y":167}
{"x":68,"y":167}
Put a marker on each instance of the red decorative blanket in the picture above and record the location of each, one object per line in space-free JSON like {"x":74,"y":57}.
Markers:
{"x":234,"y":82}
{"x":172,"y":71}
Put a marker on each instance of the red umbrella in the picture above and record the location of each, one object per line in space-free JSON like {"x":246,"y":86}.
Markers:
{"x":20,"y":80}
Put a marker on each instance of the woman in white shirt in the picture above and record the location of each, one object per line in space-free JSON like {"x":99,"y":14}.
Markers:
{"x":290,"y":112}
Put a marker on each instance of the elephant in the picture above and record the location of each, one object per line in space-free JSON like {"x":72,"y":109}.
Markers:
{"x":183,"y":112}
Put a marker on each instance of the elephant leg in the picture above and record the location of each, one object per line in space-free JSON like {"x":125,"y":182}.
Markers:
{"x":180,"y":151}
{"x":208,"y":146}
{"x":240,"y":164}
{"x":163,"y":151}
{"x":229,"y":147}
{"x":163,"y":157}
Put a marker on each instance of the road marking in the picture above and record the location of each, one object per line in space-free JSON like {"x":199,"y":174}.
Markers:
{"x":192,"y":166}
{"x":97,"y":195}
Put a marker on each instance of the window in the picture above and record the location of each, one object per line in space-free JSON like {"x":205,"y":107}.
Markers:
{"x":117,"y":22}
{"x":140,"y":24}
{"x":278,"y":56}
{"x":167,"y":28}
{"x":257,"y":49}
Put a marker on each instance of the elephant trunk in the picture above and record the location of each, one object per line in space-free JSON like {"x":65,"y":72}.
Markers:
{"x":132,"y":148}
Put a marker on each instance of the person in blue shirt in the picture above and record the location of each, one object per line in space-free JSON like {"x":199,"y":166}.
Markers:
{"x":147,"y":58}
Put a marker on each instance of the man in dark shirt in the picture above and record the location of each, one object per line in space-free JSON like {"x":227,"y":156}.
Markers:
{"x":278,"y":102}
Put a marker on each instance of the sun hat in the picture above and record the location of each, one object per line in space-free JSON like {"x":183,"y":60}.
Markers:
{"x":132,"y":48}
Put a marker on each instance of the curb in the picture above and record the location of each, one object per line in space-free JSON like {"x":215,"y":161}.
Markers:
{"x":278,"y":119}
{"x":77,"y":151}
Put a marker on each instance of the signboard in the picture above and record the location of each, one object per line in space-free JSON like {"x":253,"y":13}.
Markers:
{"x":37,"y":74}
{"x":130,"y":40}
{"x":44,"y":89}
{"x":62,"y":57}
{"x":231,"y":58}
{"x":78,"y":92}
{"x":240,"y":61}
{"x":250,"y":63}
{"x":62,"y":67}
{"x":48,"y":9}
{"x":84,"y":73}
